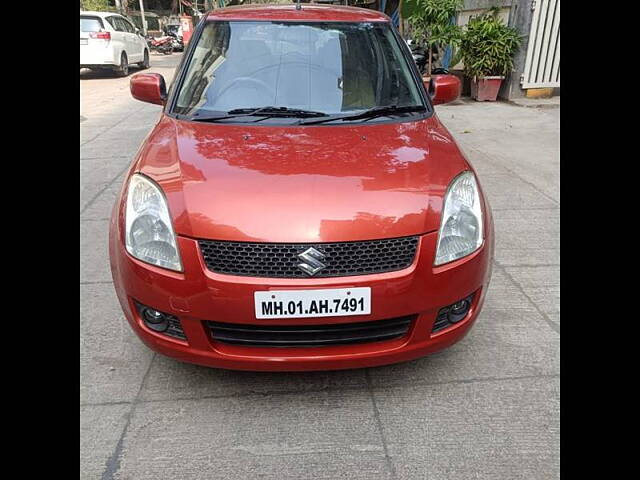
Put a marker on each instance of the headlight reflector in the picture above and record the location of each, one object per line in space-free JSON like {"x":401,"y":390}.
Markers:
{"x":149,"y":235}
{"x":461,"y":225}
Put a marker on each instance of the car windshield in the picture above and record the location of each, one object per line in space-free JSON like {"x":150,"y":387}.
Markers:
{"x":328,"y":68}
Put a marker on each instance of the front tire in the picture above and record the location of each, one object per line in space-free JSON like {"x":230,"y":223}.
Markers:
{"x":144,"y":64}
{"x":123,"y":69}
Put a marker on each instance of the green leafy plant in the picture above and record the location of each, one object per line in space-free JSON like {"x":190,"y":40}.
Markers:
{"x":431,"y":26}
{"x":96,"y":5}
{"x":488,"y":46}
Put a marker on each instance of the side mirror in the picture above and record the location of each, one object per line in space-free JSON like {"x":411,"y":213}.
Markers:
{"x":443,"y":88}
{"x":148,"y":87}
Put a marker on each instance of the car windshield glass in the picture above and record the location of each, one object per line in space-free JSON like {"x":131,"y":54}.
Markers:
{"x":333,"y":68}
{"x":90,"y":24}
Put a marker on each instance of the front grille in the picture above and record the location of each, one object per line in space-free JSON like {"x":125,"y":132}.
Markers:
{"x":309,"y":335}
{"x":280,"y":260}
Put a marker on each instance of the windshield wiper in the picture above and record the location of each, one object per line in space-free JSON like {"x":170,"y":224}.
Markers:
{"x":266,"y":112}
{"x":371,"y":113}
{"x":276,"y":111}
{"x":206,"y":118}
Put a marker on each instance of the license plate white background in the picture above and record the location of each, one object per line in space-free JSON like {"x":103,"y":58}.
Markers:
{"x":306,"y":296}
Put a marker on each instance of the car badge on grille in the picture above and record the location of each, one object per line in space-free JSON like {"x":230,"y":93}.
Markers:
{"x":311,"y":263}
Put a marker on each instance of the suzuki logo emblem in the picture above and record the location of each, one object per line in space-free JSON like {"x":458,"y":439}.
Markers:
{"x":311,"y":263}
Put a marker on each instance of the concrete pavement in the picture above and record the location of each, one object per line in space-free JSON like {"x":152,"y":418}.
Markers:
{"x":487,"y":408}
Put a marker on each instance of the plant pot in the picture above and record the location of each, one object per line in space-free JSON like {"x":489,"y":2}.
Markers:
{"x":485,"y":88}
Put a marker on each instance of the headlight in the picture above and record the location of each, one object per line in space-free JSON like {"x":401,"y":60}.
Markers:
{"x":148,"y":233}
{"x":461,"y":225}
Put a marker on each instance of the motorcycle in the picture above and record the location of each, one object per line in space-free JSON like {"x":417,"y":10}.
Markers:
{"x":174,"y":31}
{"x":420,"y":54}
{"x":176,"y":44}
{"x":162,"y":44}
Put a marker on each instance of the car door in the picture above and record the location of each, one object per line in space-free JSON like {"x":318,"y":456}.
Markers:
{"x":128,"y":42}
{"x":135,"y":47}
{"x":118,"y":36}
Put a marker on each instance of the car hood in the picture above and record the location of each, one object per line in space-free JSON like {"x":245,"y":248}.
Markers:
{"x":302,"y":184}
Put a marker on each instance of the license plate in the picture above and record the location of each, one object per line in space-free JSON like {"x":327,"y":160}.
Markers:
{"x":83,"y":41}
{"x":332,"y":302}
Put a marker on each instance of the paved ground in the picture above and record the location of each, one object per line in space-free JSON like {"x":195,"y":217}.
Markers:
{"x":488,"y":408}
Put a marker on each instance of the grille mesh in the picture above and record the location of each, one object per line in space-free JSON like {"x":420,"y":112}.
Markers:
{"x":280,"y":260}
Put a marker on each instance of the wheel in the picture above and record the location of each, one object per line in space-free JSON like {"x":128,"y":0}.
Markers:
{"x":144,"y":64}
{"x":123,"y":69}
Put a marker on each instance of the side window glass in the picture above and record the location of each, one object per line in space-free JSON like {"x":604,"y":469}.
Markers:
{"x":119,"y":24}
{"x":113,"y":21}
{"x":128,"y":26}
{"x":122,"y":25}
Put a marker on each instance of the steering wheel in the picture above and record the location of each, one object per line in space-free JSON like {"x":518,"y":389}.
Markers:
{"x":258,"y":86}
{"x":263,"y":87}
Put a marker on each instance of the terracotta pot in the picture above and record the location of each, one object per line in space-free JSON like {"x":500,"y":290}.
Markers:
{"x":485,"y":88}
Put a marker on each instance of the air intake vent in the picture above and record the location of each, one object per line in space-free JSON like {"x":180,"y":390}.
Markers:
{"x":310,"y":335}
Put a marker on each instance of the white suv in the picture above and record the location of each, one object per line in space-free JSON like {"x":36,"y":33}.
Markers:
{"x":108,"y":40}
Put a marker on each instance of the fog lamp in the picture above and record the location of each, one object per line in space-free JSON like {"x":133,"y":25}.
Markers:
{"x":153,"y":319}
{"x":459,"y":310}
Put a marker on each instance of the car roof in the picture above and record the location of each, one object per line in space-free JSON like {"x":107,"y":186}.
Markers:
{"x":308,"y":13}
{"x":99,"y":14}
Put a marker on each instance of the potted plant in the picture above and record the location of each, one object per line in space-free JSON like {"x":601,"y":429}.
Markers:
{"x":487,"y":49}
{"x":431,"y":25}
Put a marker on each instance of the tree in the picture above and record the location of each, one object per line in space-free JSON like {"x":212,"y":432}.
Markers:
{"x":96,"y":5}
{"x":431,"y":25}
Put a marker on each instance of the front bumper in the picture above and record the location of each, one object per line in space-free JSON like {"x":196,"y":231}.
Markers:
{"x":199,"y":295}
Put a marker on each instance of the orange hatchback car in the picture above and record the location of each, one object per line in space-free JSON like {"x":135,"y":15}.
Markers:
{"x":298,"y":205}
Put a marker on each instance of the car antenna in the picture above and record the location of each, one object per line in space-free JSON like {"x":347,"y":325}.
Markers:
{"x":298,"y":6}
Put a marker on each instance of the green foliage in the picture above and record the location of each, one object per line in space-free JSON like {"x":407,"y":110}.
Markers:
{"x":430,"y":22}
{"x":96,"y":5}
{"x":488,"y":46}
